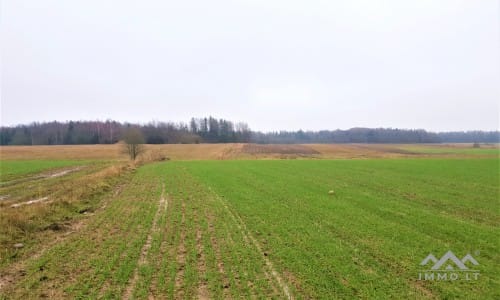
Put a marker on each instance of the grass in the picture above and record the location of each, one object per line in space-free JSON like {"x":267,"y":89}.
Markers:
{"x":385,"y":217}
{"x":108,"y":250}
{"x":10,"y":170}
{"x":269,"y":229}
{"x":58,"y":201}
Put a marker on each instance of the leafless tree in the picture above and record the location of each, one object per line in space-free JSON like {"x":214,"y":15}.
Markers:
{"x":133,"y":142}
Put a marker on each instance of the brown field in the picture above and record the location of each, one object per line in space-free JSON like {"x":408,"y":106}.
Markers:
{"x":114,"y":152}
{"x":247,"y":151}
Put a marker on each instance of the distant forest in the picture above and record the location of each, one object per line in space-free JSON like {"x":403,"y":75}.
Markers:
{"x":212,"y":130}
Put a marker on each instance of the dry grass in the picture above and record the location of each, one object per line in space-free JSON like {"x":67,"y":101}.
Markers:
{"x":115,"y":152}
{"x":68,"y":197}
{"x":278,"y":149}
{"x":197,"y":151}
{"x":239,"y":151}
{"x":86,"y":152}
{"x":359,"y":151}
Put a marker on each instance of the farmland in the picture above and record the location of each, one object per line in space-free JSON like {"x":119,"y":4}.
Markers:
{"x":248,"y":151}
{"x":244,"y":221}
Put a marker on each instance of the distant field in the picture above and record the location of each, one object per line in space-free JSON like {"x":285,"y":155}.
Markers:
{"x":486,"y":150}
{"x":248,"y":151}
{"x":271,"y":229}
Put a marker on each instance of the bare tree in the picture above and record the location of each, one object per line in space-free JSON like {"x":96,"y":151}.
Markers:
{"x":133,"y":142}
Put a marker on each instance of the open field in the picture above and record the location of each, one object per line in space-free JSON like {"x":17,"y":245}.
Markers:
{"x":250,"y":228}
{"x":249,"y":151}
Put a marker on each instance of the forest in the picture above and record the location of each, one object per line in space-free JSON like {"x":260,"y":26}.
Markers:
{"x":213,"y":130}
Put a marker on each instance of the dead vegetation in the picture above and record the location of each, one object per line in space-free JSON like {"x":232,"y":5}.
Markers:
{"x":230,"y":151}
{"x":50,"y":205}
{"x":152,"y":155}
{"x":58,"y":152}
{"x":282,"y":151}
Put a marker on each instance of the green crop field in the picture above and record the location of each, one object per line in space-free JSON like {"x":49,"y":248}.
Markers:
{"x":301,"y":229}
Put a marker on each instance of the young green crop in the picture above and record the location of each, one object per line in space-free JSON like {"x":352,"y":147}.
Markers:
{"x":272,"y":229}
{"x":368,"y":239}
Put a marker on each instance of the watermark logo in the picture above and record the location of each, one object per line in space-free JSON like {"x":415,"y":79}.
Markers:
{"x":449,"y":268}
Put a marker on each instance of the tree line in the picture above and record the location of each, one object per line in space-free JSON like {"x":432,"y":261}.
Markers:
{"x":212,"y":130}
{"x":376,"y":135}
{"x":199,"y":130}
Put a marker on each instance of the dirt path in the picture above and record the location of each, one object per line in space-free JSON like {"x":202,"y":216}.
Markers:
{"x":29,"y":202}
{"x":247,"y":236}
{"x":181,"y":257}
{"x":40,"y":176}
{"x":162,"y":208}
{"x":61,"y":173}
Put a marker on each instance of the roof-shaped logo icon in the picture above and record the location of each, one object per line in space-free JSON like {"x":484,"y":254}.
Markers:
{"x":449,"y":261}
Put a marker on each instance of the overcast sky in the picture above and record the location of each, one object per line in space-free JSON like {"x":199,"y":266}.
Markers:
{"x":282,"y":64}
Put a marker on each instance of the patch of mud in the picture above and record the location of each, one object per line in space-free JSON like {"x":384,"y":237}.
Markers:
{"x":6,"y":280}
